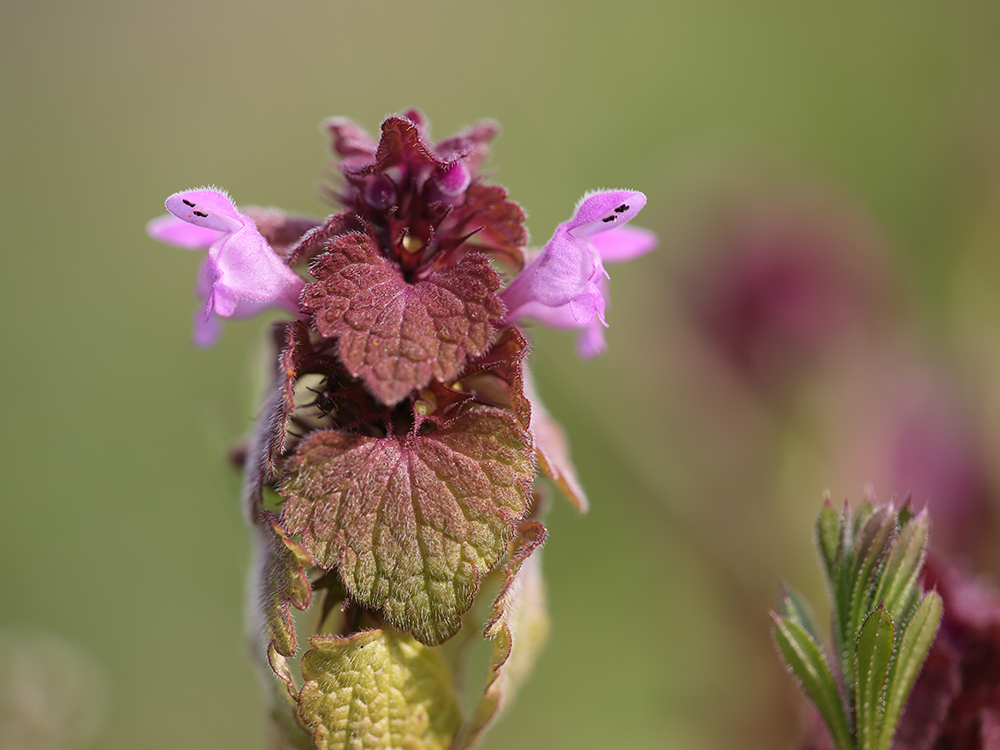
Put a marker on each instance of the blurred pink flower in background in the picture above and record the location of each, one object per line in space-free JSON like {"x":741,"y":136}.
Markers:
{"x":904,"y":426}
{"x":775,"y":281}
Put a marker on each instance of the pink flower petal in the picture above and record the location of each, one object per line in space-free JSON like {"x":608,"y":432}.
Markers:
{"x":173,"y":231}
{"x":591,"y":342}
{"x":624,"y":243}
{"x":566,"y":285}
{"x":242,"y":273}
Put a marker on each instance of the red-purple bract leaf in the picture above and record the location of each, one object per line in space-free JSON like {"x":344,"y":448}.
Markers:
{"x":395,"y":335}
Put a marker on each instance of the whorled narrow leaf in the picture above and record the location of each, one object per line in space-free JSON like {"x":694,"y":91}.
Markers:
{"x":795,"y":608}
{"x":841,"y":586}
{"x":828,"y":538}
{"x":377,"y":690}
{"x":915,"y":642}
{"x":806,"y":661}
{"x":412,"y":522}
{"x":519,"y":626}
{"x":873,"y":543}
{"x":873,"y":657}
{"x":874,"y":537}
{"x":902,"y":568}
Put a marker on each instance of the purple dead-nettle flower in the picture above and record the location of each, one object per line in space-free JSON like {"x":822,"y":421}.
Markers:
{"x":242,"y":274}
{"x":390,"y":478}
{"x":565,"y":286}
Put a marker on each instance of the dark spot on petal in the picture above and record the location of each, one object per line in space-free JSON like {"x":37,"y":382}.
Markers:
{"x":199,"y":213}
{"x":187,"y":202}
{"x":622,"y":208}
{"x":606,"y":219}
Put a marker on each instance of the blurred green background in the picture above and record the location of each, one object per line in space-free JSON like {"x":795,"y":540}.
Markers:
{"x":121,"y":534}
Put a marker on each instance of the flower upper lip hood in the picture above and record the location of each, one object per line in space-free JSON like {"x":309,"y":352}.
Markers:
{"x":565,"y":286}
{"x":242,"y":273}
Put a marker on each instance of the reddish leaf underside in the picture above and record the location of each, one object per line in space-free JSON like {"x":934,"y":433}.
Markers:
{"x":552,"y":450}
{"x":498,"y":224}
{"x":398,"y":336}
{"x":518,"y":627}
{"x":412,"y":523}
{"x":286,"y":585}
{"x":401,"y":143}
{"x":504,"y":364}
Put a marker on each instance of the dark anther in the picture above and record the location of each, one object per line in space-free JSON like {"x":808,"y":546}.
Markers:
{"x":199,"y":213}
{"x":622,"y":208}
{"x":187,"y":202}
{"x":606,"y":219}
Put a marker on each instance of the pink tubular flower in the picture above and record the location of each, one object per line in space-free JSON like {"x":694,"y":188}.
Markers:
{"x":242,"y":275}
{"x":565,"y":286}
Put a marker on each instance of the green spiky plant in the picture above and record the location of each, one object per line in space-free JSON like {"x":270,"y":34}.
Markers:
{"x":883,"y":623}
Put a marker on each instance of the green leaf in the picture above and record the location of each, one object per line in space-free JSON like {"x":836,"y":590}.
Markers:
{"x":377,"y":690}
{"x":902,"y":568}
{"x":840,"y":586}
{"x":873,"y":656}
{"x":795,"y":608}
{"x":807,"y":663}
{"x":874,"y":539}
{"x":412,"y":523}
{"x":915,"y":643}
{"x":518,"y":627}
{"x":828,"y":538}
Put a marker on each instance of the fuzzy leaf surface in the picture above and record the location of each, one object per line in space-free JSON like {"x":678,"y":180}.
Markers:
{"x":412,"y":522}
{"x":395,"y":335}
{"x":285,"y":584}
{"x":498,"y":224}
{"x":377,"y":690}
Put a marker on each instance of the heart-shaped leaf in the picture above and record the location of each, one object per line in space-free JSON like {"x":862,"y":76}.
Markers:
{"x":377,"y":690}
{"x":412,"y":522}
{"x":398,"y":335}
